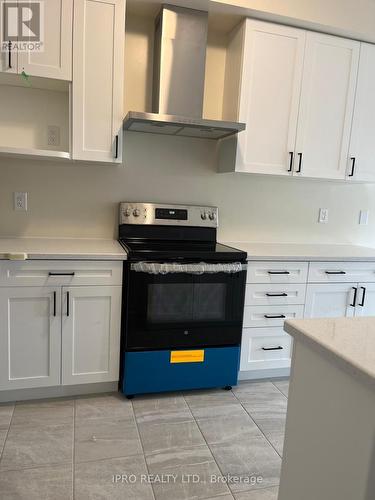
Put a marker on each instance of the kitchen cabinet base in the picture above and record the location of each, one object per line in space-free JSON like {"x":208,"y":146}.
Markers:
{"x":262,"y":374}
{"x":57,"y":391}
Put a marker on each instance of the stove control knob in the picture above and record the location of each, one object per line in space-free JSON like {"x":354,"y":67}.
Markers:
{"x":212,"y":216}
{"x":127,"y":212}
{"x":136,"y":212}
{"x":203,"y":215}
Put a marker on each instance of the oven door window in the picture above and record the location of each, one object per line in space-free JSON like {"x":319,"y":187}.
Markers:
{"x":186,"y":302}
{"x":182,"y":310}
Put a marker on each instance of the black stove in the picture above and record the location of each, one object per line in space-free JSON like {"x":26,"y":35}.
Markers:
{"x":183,"y":300}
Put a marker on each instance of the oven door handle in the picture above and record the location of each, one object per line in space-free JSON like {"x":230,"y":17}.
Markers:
{"x":178,"y":268}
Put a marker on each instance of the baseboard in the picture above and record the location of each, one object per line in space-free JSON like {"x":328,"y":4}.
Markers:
{"x":57,"y":391}
{"x":261,"y":374}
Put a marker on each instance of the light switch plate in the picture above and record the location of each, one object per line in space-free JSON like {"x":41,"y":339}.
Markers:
{"x":20,"y":201}
{"x":363,"y":217}
{"x":323,"y":215}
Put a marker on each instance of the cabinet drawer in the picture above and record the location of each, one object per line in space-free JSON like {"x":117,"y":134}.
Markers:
{"x":265,"y":348}
{"x":55,"y":273}
{"x":255,"y":316}
{"x":325,"y":272}
{"x":271,"y":294}
{"x":277,"y":272}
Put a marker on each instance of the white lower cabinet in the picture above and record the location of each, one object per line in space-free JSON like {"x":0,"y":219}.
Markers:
{"x":330,"y":300}
{"x":90,"y":334}
{"x":60,"y":333}
{"x":30,"y":337}
{"x":265,"y":349}
{"x":365,"y":300}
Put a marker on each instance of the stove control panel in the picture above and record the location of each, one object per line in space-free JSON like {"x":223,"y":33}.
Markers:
{"x":168,"y":215}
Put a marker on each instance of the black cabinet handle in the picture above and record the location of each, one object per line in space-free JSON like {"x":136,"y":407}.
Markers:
{"x":291,"y":161}
{"x":353,"y":167}
{"x":278,"y":272}
{"x":362,"y":303}
{"x":61,"y":274}
{"x":335,"y":272}
{"x":298,"y":171}
{"x":277,"y":294}
{"x":10,"y":54}
{"x":355,"y":296}
{"x":116,"y":146}
{"x":54,"y":303}
{"x":275,"y":316}
{"x":272,"y":348}
{"x":67,"y":303}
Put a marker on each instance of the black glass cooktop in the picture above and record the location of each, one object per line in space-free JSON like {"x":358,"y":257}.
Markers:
{"x":182,"y":250}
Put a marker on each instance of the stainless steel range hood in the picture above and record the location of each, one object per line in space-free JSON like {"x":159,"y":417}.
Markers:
{"x":178,"y":82}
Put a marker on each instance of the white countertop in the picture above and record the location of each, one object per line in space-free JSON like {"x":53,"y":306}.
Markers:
{"x":62,"y":248}
{"x":303,"y":252}
{"x":348,"y":341}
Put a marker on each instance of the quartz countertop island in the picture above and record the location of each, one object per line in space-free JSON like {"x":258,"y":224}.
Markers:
{"x":329,"y":450}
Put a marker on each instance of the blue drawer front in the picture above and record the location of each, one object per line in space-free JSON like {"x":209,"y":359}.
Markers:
{"x":152,"y":371}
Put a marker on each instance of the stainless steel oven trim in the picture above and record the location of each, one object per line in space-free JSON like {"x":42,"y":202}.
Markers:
{"x":146,"y":215}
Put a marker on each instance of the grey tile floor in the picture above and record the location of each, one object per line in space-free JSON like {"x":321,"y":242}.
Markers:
{"x":164,"y":447}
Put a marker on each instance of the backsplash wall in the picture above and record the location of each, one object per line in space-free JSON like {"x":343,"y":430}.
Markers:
{"x":80,"y":200}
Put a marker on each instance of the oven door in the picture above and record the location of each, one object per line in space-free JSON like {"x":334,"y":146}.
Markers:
{"x":184,"y":305}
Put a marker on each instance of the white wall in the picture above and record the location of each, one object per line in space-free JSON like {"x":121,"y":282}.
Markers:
{"x":75,"y":200}
{"x":81,"y":200}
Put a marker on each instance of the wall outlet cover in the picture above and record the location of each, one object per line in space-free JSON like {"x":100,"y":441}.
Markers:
{"x":363,"y":217}
{"x":323,"y":215}
{"x":20,"y":201}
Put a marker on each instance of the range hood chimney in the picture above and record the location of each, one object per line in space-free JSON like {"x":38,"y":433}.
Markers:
{"x":178,"y":79}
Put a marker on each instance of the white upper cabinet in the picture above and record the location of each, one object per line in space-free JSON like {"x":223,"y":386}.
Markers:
{"x":326,"y":108}
{"x":55,"y":60}
{"x":98,"y":79}
{"x":272,"y":64}
{"x":362,"y":144}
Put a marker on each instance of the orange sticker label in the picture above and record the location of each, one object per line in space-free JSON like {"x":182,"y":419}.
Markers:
{"x":196,"y":356}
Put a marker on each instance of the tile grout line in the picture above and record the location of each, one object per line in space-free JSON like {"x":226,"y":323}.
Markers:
{"x":268,"y":441}
{"x":281,"y":392}
{"x":208,"y":446}
{"x":143,"y":450}
{"x":7,"y":432}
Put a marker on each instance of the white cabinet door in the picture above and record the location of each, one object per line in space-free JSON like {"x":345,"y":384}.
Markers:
{"x":326,"y":109}
{"x":30,"y":337}
{"x":365,"y":300}
{"x":269,"y":97}
{"x":362,"y":144}
{"x":55,"y":60}
{"x":331,"y":300}
{"x":98,"y":79}
{"x":91,"y":317}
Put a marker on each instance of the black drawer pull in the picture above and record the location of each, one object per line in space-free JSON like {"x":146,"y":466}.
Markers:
{"x":54,"y":303}
{"x":355,"y":296}
{"x":362,"y":303}
{"x":298,"y":171}
{"x":278,"y":272}
{"x":67,"y":303}
{"x":335,"y":272}
{"x":61,"y":274}
{"x":291,"y":161}
{"x":353,"y":167}
{"x":277,"y":294}
{"x":275,"y":316}
{"x":278,"y":348}
{"x":116,"y":146}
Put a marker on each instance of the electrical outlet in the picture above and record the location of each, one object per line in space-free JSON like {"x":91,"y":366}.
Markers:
{"x":53,"y":135}
{"x":363,"y":217}
{"x":323,"y":215}
{"x":20,"y":201}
